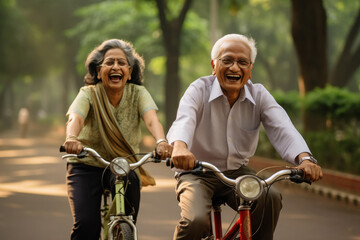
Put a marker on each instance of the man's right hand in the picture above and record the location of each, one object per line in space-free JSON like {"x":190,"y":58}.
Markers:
{"x":181,"y":157}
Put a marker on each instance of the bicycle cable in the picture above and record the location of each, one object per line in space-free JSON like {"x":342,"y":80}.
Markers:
{"x":265,"y":200}
{"x":264,"y":208}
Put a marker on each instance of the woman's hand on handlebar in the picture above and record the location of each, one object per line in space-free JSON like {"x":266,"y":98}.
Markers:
{"x":181,"y":157}
{"x":164,"y":150}
{"x":73,"y":146}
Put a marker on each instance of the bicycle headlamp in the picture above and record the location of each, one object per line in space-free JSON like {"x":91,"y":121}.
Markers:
{"x":119,"y":166}
{"x":249,"y":187}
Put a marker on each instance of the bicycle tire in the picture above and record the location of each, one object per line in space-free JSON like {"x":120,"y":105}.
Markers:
{"x":123,"y":231}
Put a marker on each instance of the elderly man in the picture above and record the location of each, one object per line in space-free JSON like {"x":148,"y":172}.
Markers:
{"x":218,"y":121}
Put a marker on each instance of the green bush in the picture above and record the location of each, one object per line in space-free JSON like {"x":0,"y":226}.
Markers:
{"x":337,"y":147}
{"x":336,"y":150}
{"x":335,"y":103}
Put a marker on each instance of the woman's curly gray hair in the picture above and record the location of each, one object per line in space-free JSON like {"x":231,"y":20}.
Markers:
{"x":96,"y":57}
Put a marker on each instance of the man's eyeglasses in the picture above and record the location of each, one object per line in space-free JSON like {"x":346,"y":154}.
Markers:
{"x":109,"y":62}
{"x":229,"y":62}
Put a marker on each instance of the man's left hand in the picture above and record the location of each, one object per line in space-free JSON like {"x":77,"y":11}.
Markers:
{"x":312,"y":171}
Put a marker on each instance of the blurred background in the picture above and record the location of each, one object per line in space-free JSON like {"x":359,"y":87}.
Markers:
{"x":308,"y":58}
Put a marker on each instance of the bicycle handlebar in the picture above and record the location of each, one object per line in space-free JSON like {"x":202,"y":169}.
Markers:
{"x":104,"y":163}
{"x":294,"y":175}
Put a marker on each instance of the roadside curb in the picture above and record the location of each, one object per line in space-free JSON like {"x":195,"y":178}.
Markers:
{"x":334,"y":194}
{"x":334,"y":185}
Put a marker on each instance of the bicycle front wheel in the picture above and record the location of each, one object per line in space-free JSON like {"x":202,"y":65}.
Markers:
{"x":123,"y":231}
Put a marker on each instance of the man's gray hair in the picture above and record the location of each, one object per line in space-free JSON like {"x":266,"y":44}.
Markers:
{"x":237,"y":37}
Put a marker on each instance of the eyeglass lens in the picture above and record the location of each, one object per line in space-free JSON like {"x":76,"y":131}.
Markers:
{"x":242,"y":62}
{"x":111,"y":62}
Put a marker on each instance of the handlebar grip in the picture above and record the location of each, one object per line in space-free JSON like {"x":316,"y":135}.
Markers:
{"x":62,"y":148}
{"x":297,"y":176}
{"x":80,"y":155}
{"x":298,"y":171}
{"x":169,"y":163}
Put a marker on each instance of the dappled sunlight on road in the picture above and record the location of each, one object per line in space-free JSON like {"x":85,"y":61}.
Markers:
{"x":22,"y":142}
{"x":162,"y":184}
{"x":53,"y":137}
{"x":33,"y":160}
{"x":28,"y":173}
{"x":33,"y":187}
{"x":16,"y":153}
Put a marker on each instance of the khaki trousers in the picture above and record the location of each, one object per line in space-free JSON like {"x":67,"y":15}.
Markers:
{"x":195,"y":193}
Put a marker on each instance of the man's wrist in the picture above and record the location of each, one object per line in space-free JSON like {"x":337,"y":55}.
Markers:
{"x":308,"y":158}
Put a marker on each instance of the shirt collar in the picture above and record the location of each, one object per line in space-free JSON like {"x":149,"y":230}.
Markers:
{"x":215,"y":90}
{"x":244,"y":93}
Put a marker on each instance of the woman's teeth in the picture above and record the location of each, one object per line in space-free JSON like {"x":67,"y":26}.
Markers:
{"x":115,"y":77}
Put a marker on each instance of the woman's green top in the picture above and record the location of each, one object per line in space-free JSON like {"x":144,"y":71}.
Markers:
{"x":136,"y":100}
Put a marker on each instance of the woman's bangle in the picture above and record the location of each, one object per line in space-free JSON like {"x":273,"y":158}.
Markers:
{"x":161,"y":140}
{"x":71,"y":137}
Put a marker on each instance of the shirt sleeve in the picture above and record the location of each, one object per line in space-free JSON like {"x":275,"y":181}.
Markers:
{"x":184,"y":126}
{"x":146,"y":102}
{"x":81,"y":103}
{"x":280,"y":130}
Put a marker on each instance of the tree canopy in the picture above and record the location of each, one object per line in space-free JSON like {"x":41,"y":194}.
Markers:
{"x":44,"y":45}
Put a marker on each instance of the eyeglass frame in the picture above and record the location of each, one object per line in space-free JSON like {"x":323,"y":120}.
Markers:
{"x":115,"y":60}
{"x":233,"y":61}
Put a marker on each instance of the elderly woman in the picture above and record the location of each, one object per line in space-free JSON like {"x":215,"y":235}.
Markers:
{"x":105,"y":116}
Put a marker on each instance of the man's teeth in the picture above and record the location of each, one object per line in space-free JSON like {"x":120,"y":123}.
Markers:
{"x":234,"y":77}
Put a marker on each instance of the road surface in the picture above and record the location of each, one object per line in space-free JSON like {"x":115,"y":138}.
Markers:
{"x":33,"y":203}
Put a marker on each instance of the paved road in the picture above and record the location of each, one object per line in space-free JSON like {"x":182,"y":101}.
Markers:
{"x":33,"y":203}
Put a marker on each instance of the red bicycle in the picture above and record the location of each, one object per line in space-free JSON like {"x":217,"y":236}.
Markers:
{"x":249,"y":188}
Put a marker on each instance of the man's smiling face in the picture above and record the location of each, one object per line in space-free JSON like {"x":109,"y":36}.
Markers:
{"x":232,"y":78}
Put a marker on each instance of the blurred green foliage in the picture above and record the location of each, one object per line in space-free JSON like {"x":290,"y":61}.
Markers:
{"x":335,"y":104}
{"x":338,"y":146}
{"x":43,"y":41}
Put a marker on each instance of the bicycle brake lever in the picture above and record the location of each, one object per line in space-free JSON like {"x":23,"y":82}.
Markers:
{"x":198,"y":168}
{"x":82,"y":154}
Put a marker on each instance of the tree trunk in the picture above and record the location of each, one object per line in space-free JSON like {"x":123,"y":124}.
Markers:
{"x":349,"y":59}
{"x":171,"y":30}
{"x":3,"y":116}
{"x":309,"y":34}
{"x":172,"y":84}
